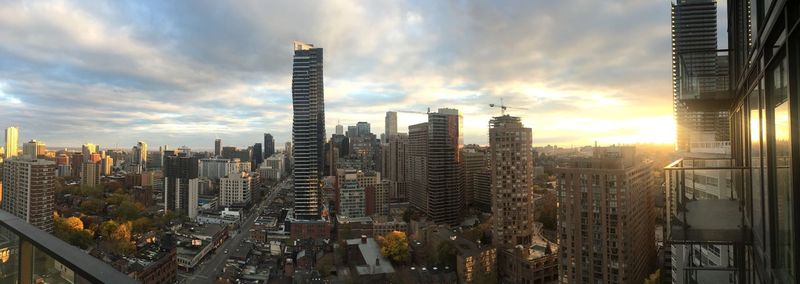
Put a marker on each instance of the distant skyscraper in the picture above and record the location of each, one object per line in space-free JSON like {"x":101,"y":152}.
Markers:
{"x":391,"y":125}
{"x":139,"y":157}
{"x":308,"y":129}
{"x":417,"y":166}
{"x":90,"y":174}
{"x":700,"y":77}
{"x":606,"y":218}
{"x":88,"y":149}
{"x":362,"y":128}
{"x":181,"y":184}
{"x":258,"y":157}
{"x":352,"y":131}
{"x":437,"y":188}
{"x":29,"y":190}
{"x":510,"y":146}
{"x":339,"y":129}
{"x":269,"y":145}
{"x":394,"y":165}
{"x":476,"y":170}
{"x":30,"y":150}
{"x":12,"y":140}
{"x":218,"y":147}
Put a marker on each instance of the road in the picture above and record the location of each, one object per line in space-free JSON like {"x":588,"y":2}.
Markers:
{"x":212,"y":266}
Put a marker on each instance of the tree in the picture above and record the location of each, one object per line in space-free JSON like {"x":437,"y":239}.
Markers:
{"x":74,"y":223}
{"x":92,"y":206}
{"x":446,"y":254}
{"x":395,"y":247}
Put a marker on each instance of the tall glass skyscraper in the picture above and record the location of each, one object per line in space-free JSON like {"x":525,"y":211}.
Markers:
{"x":308,"y":129}
{"x":269,"y":145}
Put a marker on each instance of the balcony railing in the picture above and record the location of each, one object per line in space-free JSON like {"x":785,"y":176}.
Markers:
{"x":704,"y":201}
{"x":706,"y":230}
{"x":30,"y":255}
{"x":702,"y":82}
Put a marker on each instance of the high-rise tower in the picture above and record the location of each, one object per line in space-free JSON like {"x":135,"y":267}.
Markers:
{"x":308,"y":129}
{"x":12,"y":140}
{"x":512,"y":181}
{"x":269,"y":145}
{"x":435,"y":167}
{"x":391,"y":125}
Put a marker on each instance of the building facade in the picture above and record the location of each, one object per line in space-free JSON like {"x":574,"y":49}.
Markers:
{"x":235,"y":189}
{"x":606,"y":218}
{"x":269,"y":145}
{"x":11,"y":142}
{"x":511,"y":167}
{"x":308,"y":129}
{"x":181,"y":184}
{"x":29,"y":190}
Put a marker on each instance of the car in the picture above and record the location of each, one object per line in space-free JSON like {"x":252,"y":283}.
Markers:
{"x":225,"y":252}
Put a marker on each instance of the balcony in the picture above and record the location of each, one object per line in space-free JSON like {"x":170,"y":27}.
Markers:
{"x":705,"y":231}
{"x":30,"y":255}
{"x":704,"y":201}
{"x":702,"y":82}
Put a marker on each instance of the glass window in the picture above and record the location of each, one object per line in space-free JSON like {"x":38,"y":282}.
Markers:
{"x":48,"y":270}
{"x":755,"y":164}
{"x":9,"y":256}
{"x":779,"y":102}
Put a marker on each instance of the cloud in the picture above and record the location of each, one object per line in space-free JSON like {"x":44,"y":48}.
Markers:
{"x":173,"y":73}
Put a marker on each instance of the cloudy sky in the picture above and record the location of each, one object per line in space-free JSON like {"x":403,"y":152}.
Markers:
{"x":183,"y":73}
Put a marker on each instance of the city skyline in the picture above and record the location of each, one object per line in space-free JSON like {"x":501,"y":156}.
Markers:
{"x":172,"y":79}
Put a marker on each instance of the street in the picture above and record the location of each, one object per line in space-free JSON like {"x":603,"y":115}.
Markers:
{"x":212,"y":266}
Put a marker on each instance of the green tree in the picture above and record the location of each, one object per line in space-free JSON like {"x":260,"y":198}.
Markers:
{"x":395,"y":247}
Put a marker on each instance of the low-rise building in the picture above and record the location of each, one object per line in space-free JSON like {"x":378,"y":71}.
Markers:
{"x":364,"y":255}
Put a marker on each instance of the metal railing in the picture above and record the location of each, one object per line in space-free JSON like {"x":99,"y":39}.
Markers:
{"x":30,"y":255}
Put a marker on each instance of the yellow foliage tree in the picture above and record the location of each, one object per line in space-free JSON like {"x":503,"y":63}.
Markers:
{"x":74,"y":223}
{"x":395,"y":247}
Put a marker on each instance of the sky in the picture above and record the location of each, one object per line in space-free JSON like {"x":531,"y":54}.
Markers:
{"x":185,"y":72}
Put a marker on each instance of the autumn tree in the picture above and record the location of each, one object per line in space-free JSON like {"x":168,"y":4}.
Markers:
{"x":395,"y":247}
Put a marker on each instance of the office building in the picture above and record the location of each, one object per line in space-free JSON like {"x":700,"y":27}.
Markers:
{"x":217,"y":147}
{"x":394,"y":165}
{"x":107,"y":165}
{"x":339,"y":129}
{"x":417,"y":166}
{"x":434,"y":150}
{"x":269,"y":145}
{"x":181,"y":184}
{"x":352,"y":131}
{"x":391,"y":125}
{"x":139,"y":157}
{"x":606,"y":218}
{"x":12,"y":141}
{"x":362,"y":128}
{"x":29,"y":190}
{"x":258,"y":157}
{"x":308,"y":129}
{"x":511,"y":167}
{"x":476,"y":162}
{"x":746,"y":205}
{"x":235,"y":189}
{"x":214,"y":168}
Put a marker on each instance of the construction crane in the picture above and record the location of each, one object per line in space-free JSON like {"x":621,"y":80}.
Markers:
{"x":504,"y":107}
{"x":411,"y":111}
